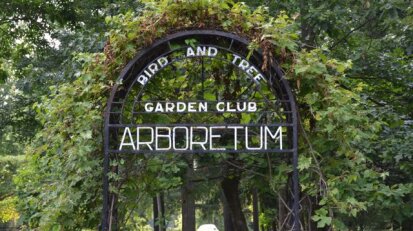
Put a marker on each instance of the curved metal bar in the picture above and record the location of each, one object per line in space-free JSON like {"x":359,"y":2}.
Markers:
{"x":183,"y":34}
{"x":277,"y":83}
{"x":133,"y":82}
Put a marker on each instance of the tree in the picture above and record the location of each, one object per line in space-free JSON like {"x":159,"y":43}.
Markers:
{"x":38,"y":41}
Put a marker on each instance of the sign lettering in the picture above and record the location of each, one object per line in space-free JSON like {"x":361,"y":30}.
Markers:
{"x":203,"y":136}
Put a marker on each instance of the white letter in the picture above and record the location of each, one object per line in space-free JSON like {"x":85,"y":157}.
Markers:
{"x":258,"y":77}
{"x":148,"y":107}
{"x":142,"y":79}
{"x":138,"y":143}
{"x":174,"y":138}
{"x":212,"y":51}
{"x":201,"y":143}
{"x":153,"y":68}
{"x":246,"y":140}
{"x":163,"y":61}
{"x":201,"y":51}
{"x":229,"y":108}
{"x":127,"y":130}
{"x":214,"y":136}
{"x":203,"y":106}
{"x":147,"y":73}
{"x":191,"y":107}
{"x":244,"y":105}
{"x":252,"y":106}
{"x":168,"y":136}
{"x":251,"y":70}
{"x":190,"y":52}
{"x":235,"y":135}
{"x":158,"y":107}
{"x":219,"y":108}
{"x":236,"y":57}
{"x":278,"y":133}
{"x":244,"y":64}
{"x":180,"y":107}
{"x":169,"y":107}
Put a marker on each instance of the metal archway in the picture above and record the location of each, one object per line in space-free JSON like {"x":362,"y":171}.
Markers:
{"x":125,"y":111}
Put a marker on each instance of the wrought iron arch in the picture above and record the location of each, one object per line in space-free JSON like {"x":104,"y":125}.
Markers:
{"x":127,"y":93}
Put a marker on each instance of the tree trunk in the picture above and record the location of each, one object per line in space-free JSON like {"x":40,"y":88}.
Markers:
{"x":228,"y":226}
{"x":231,"y":192}
{"x":307,"y":33}
{"x":155,"y":214}
{"x":282,"y":210}
{"x":188,"y":201}
{"x":407,"y":225}
{"x":159,"y":212}
{"x":255,"y":211}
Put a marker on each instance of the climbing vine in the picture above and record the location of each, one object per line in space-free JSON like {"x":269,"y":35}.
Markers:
{"x":60,"y":185}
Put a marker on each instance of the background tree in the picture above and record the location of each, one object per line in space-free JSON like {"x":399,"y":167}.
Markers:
{"x":39,"y":39}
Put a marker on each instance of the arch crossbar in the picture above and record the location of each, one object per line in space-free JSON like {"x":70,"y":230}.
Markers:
{"x":135,"y":95}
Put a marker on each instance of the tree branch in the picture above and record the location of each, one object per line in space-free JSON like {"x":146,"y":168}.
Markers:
{"x":349,"y":33}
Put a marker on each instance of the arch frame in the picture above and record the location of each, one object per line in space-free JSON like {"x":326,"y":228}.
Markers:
{"x":128,"y":77}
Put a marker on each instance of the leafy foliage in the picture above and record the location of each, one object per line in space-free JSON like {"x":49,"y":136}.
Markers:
{"x":354,"y":154}
{"x":8,"y":210}
{"x":8,"y":167}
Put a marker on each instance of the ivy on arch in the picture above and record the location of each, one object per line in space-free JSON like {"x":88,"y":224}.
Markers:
{"x":60,"y":186}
